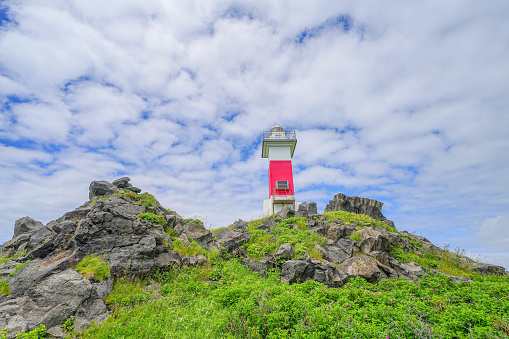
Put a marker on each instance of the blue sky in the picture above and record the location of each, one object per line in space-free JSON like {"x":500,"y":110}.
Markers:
{"x":401,"y":102}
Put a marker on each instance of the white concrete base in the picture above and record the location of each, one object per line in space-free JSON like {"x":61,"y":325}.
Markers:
{"x":276,"y":203}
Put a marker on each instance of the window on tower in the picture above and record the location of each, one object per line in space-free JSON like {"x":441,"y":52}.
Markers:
{"x":282,"y":185}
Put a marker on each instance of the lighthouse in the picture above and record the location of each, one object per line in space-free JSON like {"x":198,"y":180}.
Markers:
{"x":278,"y":146}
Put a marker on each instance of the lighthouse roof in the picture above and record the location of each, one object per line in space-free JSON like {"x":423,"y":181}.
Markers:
{"x":277,"y":136}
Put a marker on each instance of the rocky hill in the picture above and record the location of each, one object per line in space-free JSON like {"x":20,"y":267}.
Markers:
{"x":41,"y":284}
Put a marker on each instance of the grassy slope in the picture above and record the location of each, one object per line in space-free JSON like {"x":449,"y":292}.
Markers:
{"x":226,"y":300}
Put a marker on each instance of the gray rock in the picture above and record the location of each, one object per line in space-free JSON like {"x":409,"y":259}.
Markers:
{"x":364,"y":267}
{"x":197,"y":260}
{"x":335,"y":232}
{"x":168,"y":259}
{"x":26,"y":224}
{"x":123,"y":183}
{"x":373,"y":240}
{"x":312,"y":208}
{"x":231,"y":239}
{"x":240,"y":225}
{"x":285,"y":252}
{"x":408,"y":270}
{"x":489,"y":269}
{"x":295,"y":271}
{"x":292,"y":271}
{"x":261,"y":266}
{"x":335,"y":254}
{"x":285,"y":213}
{"x":197,"y":232}
{"x":370,"y":207}
{"x":101,"y":189}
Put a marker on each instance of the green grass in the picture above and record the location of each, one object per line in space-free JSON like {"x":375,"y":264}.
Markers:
{"x":4,"y":287}
{"x":263,"y":243}
{"x":198,"y":221}
{"x":356,"y":236}
{"x":152,"y":217}
{"x":184,"y":249}
{"x":127,"y":292}
{"x":441,"y":260}
{"x":349,"y":217}
{"x":239,"y":304}
{"x":94,"y":267}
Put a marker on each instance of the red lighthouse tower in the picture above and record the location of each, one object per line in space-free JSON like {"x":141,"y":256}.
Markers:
{"x":279,"y":145}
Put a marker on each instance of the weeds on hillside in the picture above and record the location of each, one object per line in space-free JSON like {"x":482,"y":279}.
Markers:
{"x":263,"y":243}
{"x":238,"y":303}
{"x":94,"y":267}
{"x":359,"y":219}
{"x":441,"y":260}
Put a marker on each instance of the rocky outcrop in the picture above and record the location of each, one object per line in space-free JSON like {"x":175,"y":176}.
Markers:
{"x":45,"y":288}
{"x":370,"y":207}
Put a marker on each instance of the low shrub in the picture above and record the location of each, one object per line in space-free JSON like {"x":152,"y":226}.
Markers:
{"x":152,"y":217}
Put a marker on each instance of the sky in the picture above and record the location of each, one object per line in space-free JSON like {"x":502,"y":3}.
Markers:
{"x":403,"y":102}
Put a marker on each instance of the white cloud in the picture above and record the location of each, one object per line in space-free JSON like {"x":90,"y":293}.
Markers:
{"x":409,"y":105}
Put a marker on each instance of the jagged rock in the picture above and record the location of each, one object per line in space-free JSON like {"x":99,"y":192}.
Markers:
{"x":489,"y":269}
{"x":337,"y":231}
{"x":197,"y":260}
{"x":52,"y":299}
{"x":305,"y":209}
{"x":231,"y":239}
{"x":168,"y":259}
{"x":240,"y":225}
{"x":123,"y":183}
{"x":101,"y":188}
{"x":370,"y":207}
{"x":261,"y":266}
{"x":373,"y":240}
{"x":197,"y":232}
{"x":286,"y":213}
{"x":285,"y":252}
{"x":335,"y":254}
{"x":408,"y":270}
{"x":26,"y":224}
{"x":364,"y":267}
{"x":294,"y":271}
{"x":312,"y":208}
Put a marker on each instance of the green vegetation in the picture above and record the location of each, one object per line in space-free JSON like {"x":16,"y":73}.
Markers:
{"x":358,"y":219}
{"x":263,"y":243}
{"x":37,"y":333}
{"x":127,"y":292}
{"x":356,"y":236}
{"x":4,"y":259}
{"x":198,"y":221}
{"x":229,"y":301}
{"x":441,"y":260}
{"x":154,"y":218}
{"x":93,"y":267}
{"x":146,"y":199}
{"x":4,"y":287}
{"x":187,"y":249}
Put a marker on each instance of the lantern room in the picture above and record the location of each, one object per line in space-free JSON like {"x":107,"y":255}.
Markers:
{"x":278,"y":146}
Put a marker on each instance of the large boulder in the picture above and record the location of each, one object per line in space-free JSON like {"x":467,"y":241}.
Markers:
{"x":364,"y":267}
{"x":199,"y":233}
{"x":231,"y":239}
{"x":370,"y":207}
{"x":123,"y":183}
{"x":101,"y":189}
{"x":26,"y":224}
{"x":298,"y":271}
